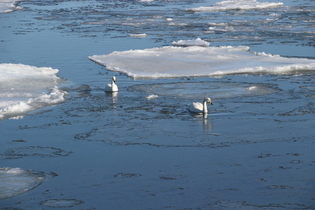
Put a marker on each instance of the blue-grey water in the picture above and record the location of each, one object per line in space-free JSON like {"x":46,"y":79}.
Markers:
{"x":102,"y":151}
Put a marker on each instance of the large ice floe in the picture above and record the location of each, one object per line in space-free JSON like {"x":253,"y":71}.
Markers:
{"x":8,"y":6}
{"x":15,"y":181}
{"x":26,"y":88}
{"x":173,"y":61}
{"x":237,"y":5}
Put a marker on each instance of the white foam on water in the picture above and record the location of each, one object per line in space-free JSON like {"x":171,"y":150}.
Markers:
{"x":15,"y":181}
{"x":8,"y":6}
{"x":170,"y":61}
{"x":25,"y":88}
{"x":237,"y":5}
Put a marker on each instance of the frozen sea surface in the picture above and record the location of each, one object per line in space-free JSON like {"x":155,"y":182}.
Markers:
{"x":140,"y":148}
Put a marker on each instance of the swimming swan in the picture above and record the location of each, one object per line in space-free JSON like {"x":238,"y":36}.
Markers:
{"x":198,"y":107}
{"x":112,"y":87}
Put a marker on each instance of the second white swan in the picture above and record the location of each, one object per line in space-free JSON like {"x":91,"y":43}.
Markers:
{"x":112,"y":87}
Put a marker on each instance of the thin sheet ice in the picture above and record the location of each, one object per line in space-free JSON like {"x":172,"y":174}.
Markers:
{"x":15,"y":181}
{"x":173,"y":61}
{"x":25,"y":88}
{"x":237,"y":5}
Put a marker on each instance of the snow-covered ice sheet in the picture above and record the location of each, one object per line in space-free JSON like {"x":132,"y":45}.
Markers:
{"x":8,"y":6}
{"x":237,"y":5}
{"x":25,"y":88}
{"x":15,"y":181}
{"x":197,"y":61}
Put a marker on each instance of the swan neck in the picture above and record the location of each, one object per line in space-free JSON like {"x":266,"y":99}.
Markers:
{"x":205,"y":108}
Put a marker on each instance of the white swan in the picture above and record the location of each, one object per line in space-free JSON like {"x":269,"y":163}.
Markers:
{"x":198,"y":107}
{"x":112,"y":87}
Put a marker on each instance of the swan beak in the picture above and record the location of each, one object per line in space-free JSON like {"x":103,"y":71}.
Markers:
{"x":211,"y":103}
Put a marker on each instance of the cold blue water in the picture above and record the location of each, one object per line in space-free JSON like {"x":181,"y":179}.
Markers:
{"x":254,"y":150}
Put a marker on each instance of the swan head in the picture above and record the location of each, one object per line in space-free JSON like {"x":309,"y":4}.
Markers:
{"x":114,"y":79}
{"x":208,"y":100}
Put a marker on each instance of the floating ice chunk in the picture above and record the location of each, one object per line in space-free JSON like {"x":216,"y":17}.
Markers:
{"x":217,"y":24}
{"x":145,"y":0}
{"x":237,"y":5}
{"x":8,"y":6}
{"x":198,"y":61}
{"x":15,"y":181}
{"x":137,"y":35}
{"x":225,"y":29}
{"x":26,"y":88}
{"x":196,"y":42}
{"x":151,"y":97}
{"x":252,"y":88}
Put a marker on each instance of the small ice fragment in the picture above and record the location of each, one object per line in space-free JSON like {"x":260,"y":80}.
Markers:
{"x":252,"y":88}
{"x":196,"y":42}
{"x":151,"y":97}
{"x":137,"y":35}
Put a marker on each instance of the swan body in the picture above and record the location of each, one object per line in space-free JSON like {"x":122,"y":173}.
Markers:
{"x":112,"y":87}
{"x":197,"y":107}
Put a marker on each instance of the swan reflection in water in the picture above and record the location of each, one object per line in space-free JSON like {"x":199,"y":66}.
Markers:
{"x":114,"y":96}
